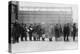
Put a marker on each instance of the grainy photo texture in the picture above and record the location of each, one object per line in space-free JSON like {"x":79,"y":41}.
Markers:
{"x":42,"y":26}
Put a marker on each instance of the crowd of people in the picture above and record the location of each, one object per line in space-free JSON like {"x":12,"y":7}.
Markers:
{"x":36,"y":31}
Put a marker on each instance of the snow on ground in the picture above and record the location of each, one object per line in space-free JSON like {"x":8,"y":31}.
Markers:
{"x":30,"y":46}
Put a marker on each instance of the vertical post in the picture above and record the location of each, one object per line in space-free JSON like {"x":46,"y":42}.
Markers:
{"x":9,"y":25}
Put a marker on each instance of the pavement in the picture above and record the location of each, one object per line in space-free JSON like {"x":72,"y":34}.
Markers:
{"x":32,"y":46}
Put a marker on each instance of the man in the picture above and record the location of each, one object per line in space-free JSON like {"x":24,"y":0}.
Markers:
{"x":60,"y":31}
{"x":74,"y":31}
{"x":30,"y":32}
{"x":43,"y":34}
{"x":16,"y":32}
{"x":56,"y":29}
{"x":39,"y":31}
{"x":35,"y":30}
{"x":23,"y":32}
{"x":66,"y":31}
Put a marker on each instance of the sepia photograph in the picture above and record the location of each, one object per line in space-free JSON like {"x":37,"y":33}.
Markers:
{"x":36,"y":27}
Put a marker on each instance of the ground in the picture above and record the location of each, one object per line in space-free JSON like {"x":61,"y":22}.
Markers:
{"x":28,"y":46}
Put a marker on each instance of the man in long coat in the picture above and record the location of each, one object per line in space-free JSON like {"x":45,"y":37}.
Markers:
{"x":57,"y":32}
{"x":66,"y":31}
{"x":74,"y":31}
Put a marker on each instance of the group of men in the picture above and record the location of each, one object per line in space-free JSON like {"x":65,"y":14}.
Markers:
{"x":22,"y":31}
{"x":36,"y":31}
{"x":66,"y":31}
